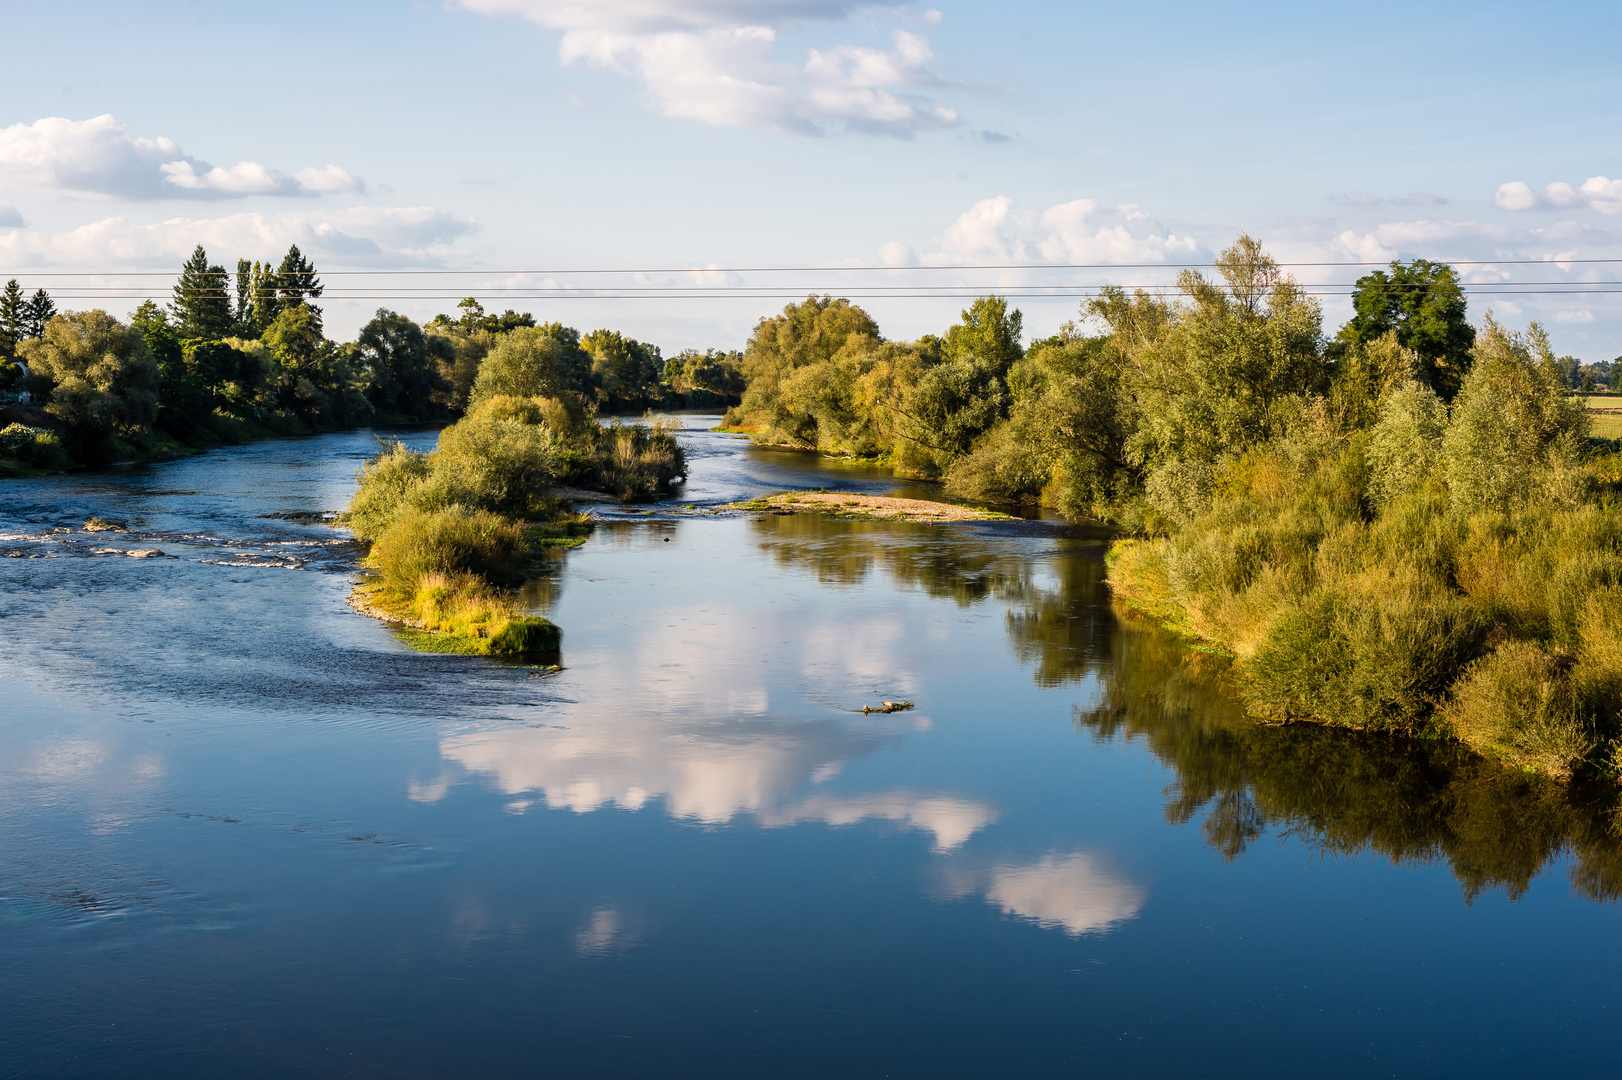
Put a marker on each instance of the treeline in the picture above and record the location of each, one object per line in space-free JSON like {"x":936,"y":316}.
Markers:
{"x":239,"y":356}
{"x":1401,"y":527}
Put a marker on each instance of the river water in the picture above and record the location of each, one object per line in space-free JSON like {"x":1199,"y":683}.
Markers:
{"x":246,"y":832}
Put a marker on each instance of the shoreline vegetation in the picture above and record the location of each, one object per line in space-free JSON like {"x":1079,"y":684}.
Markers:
{"x":1408,"y":527}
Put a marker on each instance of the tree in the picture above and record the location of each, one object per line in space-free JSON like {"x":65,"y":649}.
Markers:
{"x":626,"y":371}
{"x":1423,"y":303}
{"x":1219,"y":373}
{"x":202,"y":299}
{"x":13,"y":316}
{"x":398,"y":372}
{"x":242,"y":317}
{"x":262,"y":302}
{"x":102,"y":381}
{"x":1514,"y":434}
{"x":530,"y":362}
{"x":296,"y":283}
{"x":988,"y":332}
{"x":807,"y":333}
{"x":38,"y":313}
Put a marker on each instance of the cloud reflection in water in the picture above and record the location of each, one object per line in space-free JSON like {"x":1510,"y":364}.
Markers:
{"x":1074,"y":892}
{"x":709,"y":775}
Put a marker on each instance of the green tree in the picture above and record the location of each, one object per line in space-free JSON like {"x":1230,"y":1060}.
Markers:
{"x":1514,"y":434}
{"x":178,"y":394}
{"x":102,"y":381}
{"x":242,"y":316}
{"x":13,"y":316}
{"x":1423,"y":303}
{"x":296,"y":283}
{"x":989,"y":332}
{"x":38,"y":313}
{"x":395,"y":365}
{"x":807,"y":333}
{"x":1222,"y":372}
{"x":530,"y":362}
{"x":625,"y":371}
{"x":264,"y":302}
{"x":202,"y":300}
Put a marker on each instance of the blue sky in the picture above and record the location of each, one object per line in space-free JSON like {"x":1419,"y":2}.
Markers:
{"x":503,"y":135}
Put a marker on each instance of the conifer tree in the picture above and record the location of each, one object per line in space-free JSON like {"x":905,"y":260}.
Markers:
{"x":40,"y":309}
{"x":202,"y":303}
{"x":13,"y":312}
{"x":297,"y":283}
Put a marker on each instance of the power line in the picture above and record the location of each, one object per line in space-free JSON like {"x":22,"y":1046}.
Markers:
{"x":965,"y":293}
{"x":38,"y":274}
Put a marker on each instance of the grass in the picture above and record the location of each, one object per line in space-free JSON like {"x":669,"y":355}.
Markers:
{"x":851,"y":507}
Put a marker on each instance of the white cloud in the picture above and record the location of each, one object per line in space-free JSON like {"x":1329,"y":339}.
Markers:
{"x":10,"y":218}
{"x":414,"y":234}
{"x":1080,"y":231}
{"x":1596,"y":193}
{"x":716,"y":62}
{"x":1581,"y":315}
{"x":98,"y":157}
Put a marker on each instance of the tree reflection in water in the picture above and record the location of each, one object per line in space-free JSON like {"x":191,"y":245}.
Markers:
{"x":1340,"y":792}
{"x":1344,"y":792}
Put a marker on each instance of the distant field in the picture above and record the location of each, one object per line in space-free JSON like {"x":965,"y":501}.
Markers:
{"x":1607,"y":414}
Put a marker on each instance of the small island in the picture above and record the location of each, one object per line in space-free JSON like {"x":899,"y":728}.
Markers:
{"x":847,"y":504}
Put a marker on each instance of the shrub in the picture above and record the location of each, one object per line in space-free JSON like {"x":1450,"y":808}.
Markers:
{"x":1364,"y":661}
{"x":1406,"y":441}
{"x":1514,"y":435}
{"x":501,"y":457}
{"x":480,"y":619}
{"x":387,"y":483}
{"x":34,"y":447}
{"x":451,"y":541}
{"x":1522,"y":704}
{"x":633,"y":461}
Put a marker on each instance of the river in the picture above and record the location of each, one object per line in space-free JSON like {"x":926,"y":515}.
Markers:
{"x":246,"y":832}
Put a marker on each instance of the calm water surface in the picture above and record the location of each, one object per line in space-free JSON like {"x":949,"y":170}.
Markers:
{"x":245,"y":832}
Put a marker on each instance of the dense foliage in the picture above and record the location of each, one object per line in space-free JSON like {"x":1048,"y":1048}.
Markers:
{"x":1403,"y":528}
{"x":214,"y":367}
{"x":449,"y":529}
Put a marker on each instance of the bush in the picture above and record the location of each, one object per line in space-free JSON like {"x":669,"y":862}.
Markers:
{"x":387,"y":483}
{"x":1377,"y":662}
{"x":33,"y":447}
{"x":477,"y":618}
{"x":1406,"y":441}
{"x":1515,"y":435}
{"x":1522,"y":704}
{"x":455,"y":541}
{"x":633,"y":461}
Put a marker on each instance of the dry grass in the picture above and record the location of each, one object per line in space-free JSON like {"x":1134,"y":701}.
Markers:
{"x":868,"y":507}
